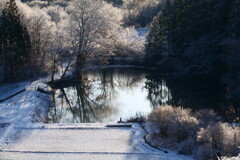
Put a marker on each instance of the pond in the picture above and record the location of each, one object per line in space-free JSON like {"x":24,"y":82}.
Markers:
{"x":106,"y":95}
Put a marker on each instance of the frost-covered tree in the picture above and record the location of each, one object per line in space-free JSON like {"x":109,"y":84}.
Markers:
{"x":2,"y":5}
{"x":89,"y":26}
{"x":59,"y":41}
{"x":47,"y":30}
{"x":140,"y":12}
{"x":128,"y":43}
{"x":40,"y":28}
{"x":58,"y":14}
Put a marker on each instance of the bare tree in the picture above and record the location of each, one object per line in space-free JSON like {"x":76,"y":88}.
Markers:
{"x":88,"y":27}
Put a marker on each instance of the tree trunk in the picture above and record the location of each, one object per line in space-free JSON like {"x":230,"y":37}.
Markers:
{"x":53,"y":69}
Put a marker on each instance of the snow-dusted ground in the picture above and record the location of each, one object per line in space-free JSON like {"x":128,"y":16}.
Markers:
{"x":232,"y":158}
{"x":23,"y":109}
{"x":11,"y":88}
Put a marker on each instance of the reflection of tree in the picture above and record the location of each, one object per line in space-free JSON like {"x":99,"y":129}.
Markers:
{"x":158,"y":92}
{"x":78,"y":104}
{"x":187,"y":95}
{"x":93,"y":98}
{"x":90,"y":100}
{"x":197,"y":97}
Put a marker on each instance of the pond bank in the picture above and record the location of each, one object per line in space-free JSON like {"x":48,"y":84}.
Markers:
{"x":120,"y":66}
{"x":23,"y":105}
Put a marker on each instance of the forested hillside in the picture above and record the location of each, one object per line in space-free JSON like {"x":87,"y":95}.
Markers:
{"x":202,"y":33}
{"x":136,"y":12}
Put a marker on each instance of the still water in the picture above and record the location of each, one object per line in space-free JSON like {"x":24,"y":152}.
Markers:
{"x":106,"y":95}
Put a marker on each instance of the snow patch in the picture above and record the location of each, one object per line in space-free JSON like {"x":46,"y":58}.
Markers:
{"x":138,"y":142}
{"x":23,"y":109}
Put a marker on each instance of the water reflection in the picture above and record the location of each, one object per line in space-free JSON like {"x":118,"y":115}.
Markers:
{"x":164,"y":90}
{"x":158,"y":92}
{"x":81,"y":103}
{"x":102,"y":96}
{"x":108,"y":94}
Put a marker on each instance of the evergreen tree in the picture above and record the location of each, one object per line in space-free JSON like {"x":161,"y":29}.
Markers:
{"x":154,"y":46}
{"x":178,"y":35}
{"x":182,"y":22}
{"x":15,"y":41}
{"x":158,"y":43}
{"x":167,"y":24}
{"x":170,"y":31}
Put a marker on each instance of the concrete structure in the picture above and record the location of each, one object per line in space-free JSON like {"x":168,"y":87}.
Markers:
{"x":85,"y":142}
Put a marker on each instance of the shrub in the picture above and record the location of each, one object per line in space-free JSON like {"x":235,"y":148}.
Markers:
{"x":220,"y":139}
{"x":175,"y":124}
{"x":199,"y":133}
{"x":138,"y":117}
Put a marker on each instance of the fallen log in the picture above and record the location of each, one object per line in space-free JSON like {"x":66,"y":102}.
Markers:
{"x":43,"y":91}
{"x":2,"y":100}
{"x":63,"y":83}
